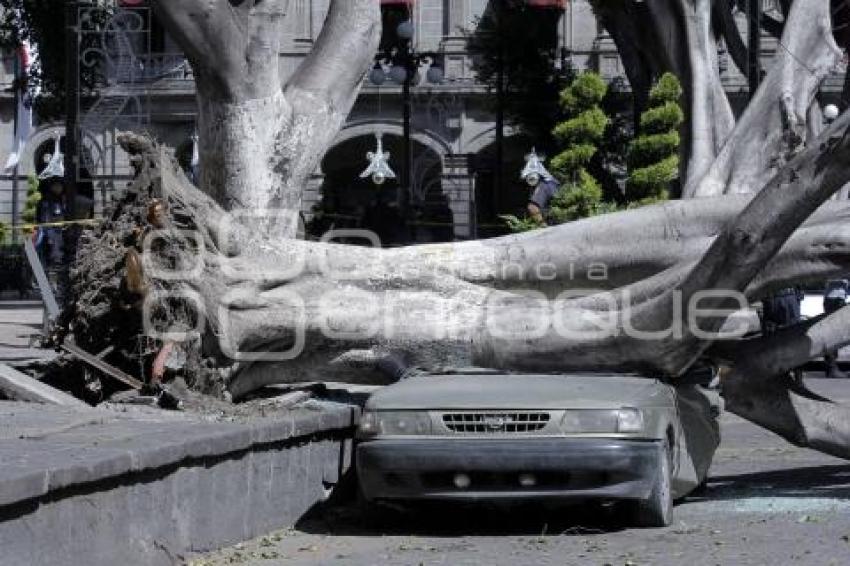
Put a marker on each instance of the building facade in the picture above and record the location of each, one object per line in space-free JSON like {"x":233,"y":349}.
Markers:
{"x":453,"y":124}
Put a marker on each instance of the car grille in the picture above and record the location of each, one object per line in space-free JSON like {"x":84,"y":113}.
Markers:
{"x":496,"y":423}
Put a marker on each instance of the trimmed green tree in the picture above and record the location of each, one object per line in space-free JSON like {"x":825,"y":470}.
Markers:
{"x":30,"y":212}
{"x":653,"y":157}
{"x":580,"y":134}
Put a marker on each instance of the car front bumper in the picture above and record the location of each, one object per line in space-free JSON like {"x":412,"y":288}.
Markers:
{"x":562,"y":468}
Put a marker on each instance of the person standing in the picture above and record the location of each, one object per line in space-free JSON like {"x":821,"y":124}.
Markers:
{"x":542,"y":194}
{"x":780,"y":311}
{"x":834,"y":298}
{"x":52,"y":210}
{"x":543,"y":187}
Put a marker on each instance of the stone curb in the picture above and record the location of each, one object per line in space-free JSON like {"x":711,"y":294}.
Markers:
{"x":34,"y":467}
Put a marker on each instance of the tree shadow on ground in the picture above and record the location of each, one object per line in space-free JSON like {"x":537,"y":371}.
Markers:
{"x":831,"y":482}
{"x":343,"y":516}
{"x":452,"y":520}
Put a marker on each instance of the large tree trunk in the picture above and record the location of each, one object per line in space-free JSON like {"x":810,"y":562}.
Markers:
{"x":261,"y":137}
{"x":340,"y":309}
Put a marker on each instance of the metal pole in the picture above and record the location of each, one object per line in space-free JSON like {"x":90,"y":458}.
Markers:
{"x":407,"y":171}
{"x":754,"y":9}
{"x":72,"y":90}
{"x":500,"y":108}
{"x":15,"y":205}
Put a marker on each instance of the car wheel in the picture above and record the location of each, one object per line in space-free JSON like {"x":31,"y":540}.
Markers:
{"x":657,"y":509}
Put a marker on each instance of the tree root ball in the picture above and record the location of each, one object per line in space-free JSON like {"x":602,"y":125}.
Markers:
{"x":106,"y":304}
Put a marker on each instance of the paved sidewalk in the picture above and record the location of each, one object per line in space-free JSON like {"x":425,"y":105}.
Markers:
{"x":19,"y":320}
{"x":142,"y":486}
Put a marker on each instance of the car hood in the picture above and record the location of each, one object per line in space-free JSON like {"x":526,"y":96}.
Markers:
{"x":517,"y":391}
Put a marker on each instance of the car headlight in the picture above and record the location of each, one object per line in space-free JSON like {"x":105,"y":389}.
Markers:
{"x":393,"y":423}
{"x":589,"y":421}
{"x":629,"y":420}
{"x":579,"y":421}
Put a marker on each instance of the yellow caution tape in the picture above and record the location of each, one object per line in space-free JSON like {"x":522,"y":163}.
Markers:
{"x":87,"y":222}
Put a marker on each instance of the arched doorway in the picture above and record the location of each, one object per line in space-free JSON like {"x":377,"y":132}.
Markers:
{"x":349,"y":202}
{"x":491,"y":202}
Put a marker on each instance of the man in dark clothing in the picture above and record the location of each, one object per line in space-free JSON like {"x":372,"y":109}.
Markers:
{"x":543,"y":186}
{"x":834,"y":298}
{"x":541,"y":197}
{"x":52,"y":209}
{"x":781,"y":311}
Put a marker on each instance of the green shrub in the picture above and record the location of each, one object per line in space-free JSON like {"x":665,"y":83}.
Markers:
{"x":653,"y":157}
{"x":652,"y":149}
{"x":30,"y":212}
{"x":569,"y":162}
{"x":517,"y":225}
{"x":653,"y":181}
{"x":662,"y":118}
{"x":5,"y":233}
{"x":667,"y":89}
{"x":580,"y":133}
{"x":576,"y":200}
{"x":585,"y":92}
{"x":588,"y":126}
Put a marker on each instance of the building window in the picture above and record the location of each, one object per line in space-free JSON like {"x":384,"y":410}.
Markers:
{"x":393,"y":13}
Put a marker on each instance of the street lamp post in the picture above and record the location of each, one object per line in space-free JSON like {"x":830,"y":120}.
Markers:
{"x":500,"y":103}
{"x":830,"y":113}
{"x":405,"y":33}
{"x":404,"y":63}
{"x":755,"y":9}
{"x":72,"y":88}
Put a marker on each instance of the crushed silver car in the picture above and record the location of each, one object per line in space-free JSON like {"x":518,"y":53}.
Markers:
{"x":491,"y":436}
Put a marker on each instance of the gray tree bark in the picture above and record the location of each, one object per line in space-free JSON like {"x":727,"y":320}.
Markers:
{"x":343,"y":308}
{"x":262,"y":137}
{"x":778,"y":122}
{"x":720,"y":156}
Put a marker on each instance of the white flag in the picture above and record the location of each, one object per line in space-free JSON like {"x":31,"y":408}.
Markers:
{"x":23,"y":128}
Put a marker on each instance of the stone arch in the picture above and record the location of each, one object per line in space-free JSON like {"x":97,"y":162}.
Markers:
{"x":480,"y":141}
{"x":490,"y":202}
{"x":345,"y":201}
{"x":99,"y":158}
{"x":35,"y":144}
{"x":360,"y":128}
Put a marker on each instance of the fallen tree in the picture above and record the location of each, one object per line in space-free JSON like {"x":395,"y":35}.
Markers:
{"x":247,"y":307}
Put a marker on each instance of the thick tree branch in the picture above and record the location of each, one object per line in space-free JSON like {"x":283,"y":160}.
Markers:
{"x":747,"y":245}
{"x":232,"y":48}
{"x":342,"y":54}
{"x":636,"y":42}
{"x":792,"y":413}
{"x":731,"y":34}
{"x":761,"y":359}
{"x":758,"y":390}
{"x":774,"y":125}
